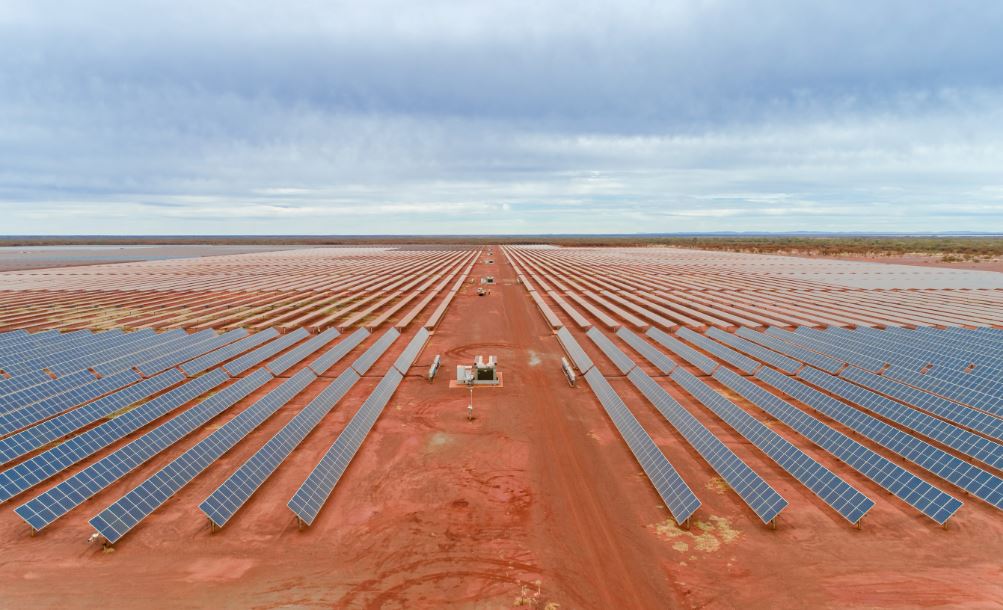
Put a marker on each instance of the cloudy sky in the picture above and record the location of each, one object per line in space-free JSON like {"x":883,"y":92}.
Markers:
{"x":385,"y":116}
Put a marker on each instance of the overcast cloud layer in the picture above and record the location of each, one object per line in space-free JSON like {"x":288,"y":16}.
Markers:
{"x":500,"y":117}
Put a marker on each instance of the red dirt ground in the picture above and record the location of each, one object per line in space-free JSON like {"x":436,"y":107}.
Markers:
{"x":535,"y":502}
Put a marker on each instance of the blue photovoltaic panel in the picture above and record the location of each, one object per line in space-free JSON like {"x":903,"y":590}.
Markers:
{"x":331,"y":357}
{"x":265,"y":352}
{"x":35,"y":393}
{"x":972,"y":479}
{"x":120,"y":352}
{"x":992,"y":403}
{"x":22,"y":418}
{"x":206,"y":362}
{"x":92,"y":352}
{"x":62,"y":498}
{"x":756,"y":492}
{"x":152,"y":367}
{"x":677,"y":495}
{"x":906,"y":486}
{"x":371,"y":355}
{"x":28,"y":440}
{"x":221,"y":505}
{"x":313,"y":493}
{"x":116,"y":520}
{"x":830,"y":488}
{"x":971,"y":444}
{"x":651,"y":353}
{"x":289,"y":359}
{"x":22,"y":381}
{"x":404,"y":361}
{"x":830,"y":365}
{"x":615,"y":354}
{"x":156,"y":350}
{"x":575,"y":351}
{"x":785,"y":364}
{"x":739,"y":361}
{"x":959,"y":414}
{"x":684,"y":351}
{"x":809,"y":341}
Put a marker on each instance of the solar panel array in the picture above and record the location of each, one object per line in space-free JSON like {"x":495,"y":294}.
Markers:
{"x":677,"y":347}
{"x":157,"y":365}
{"x":616,"y":356}
{"x":313,"y":493}
{"x":958,"y":413}
{"x":34,"y":393}
{"x":739,"y":361}
{"x":28,"y":440}
{"x":369,"y":357}
{"x":221,"y":505}
{"x":819,"y":361}
{"x":650,"y":353}
{"x":116,"y":520}
{"x":213,"y":358}
{"x":971,"y":444}
{"x":779,"y":361}
{"x":329,"y":358}
{"x":289,"y":359}
{"x":247,"y":361}
{"x":833,"y":490}
{"x":972,"y":479}
{"x":898,"y":481}
{"x":406,"y":358}
{"x":574,"y":350}
{"x":677,"y":495}
{"x":59,"y":500}
{"x":34,"y":413}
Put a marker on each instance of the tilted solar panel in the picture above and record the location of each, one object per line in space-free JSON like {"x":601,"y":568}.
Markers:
{"x":245,"y":362}
{"x":575,"y":351}
{"x":206,"y":362}
{"x":116,"y":520}
{"x":289,"y":359}
{"x":677,"y":495}
{"x":369,"y":357}
{"x":404,"y":361}
{"x":651,"y":353}
{"x":70,"y":493}
{"x":705,"y":364}
{"x":331,"y":357}
{"x":830,"y":488}
{"x":740,"y":361}
{"x":221,"y":505}
{"x":909,"y":488}
{"x":314,"y":492}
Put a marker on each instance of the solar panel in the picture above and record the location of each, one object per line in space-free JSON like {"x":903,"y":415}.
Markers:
{"x":615,"y":354}
{"x":788,"y":365}
{"x":575,"y":351}
{"x":830,"y":488}
{"x":22,"y":381}
{"x":404,"y":361}
{"x":245,"y":362}
{"x":968,"y":443}
{"x":152,"y":367}
{"x":35,"y":393}
{"x":289,"y":359}
{"x":313,"y":493}
{"x":739,"y":361}
{"x":906,"y":486}
{"x":677,"y":495}
{"x":116,"y":520}
{"x":820,"y":361}
{"x":661,"y":362}
{"x":369,"y":357}
{"x":221,"y":505}
{"x":28,"y":440}
{"x":972,"y":479}
{"x":70,"y":493}
{"x":85,"y":349}
{"x":26,"y":416}
{"x":932,"y":383}
{"x":756,"y":492}
{"x":959,"y":414}
{"x":156,"y":349}
{"x":828,"y":346}
{"x":331,"y":357}
{"x":206,"y":362}
{"x":684,"y":351}
{"x":137,"y":342}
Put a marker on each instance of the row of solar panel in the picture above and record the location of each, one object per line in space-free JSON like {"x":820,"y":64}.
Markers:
{"x":124,"y":514}
{"x":975,"y":480}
